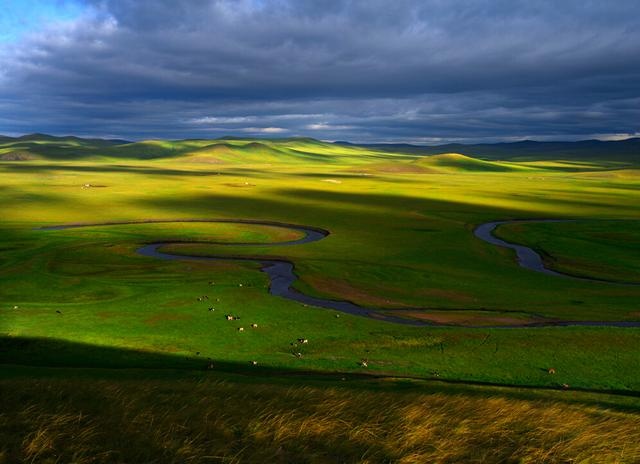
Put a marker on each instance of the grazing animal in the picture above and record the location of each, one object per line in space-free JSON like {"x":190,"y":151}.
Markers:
{"x":303,"y":340}
{"x":337,"y":316}
{"x":240,"y":285}
{"x":298,"y":355}
{"x":210,"y":365}
{"x":212,"y":309}
{"x":15,"y":307}
{"x":565,"y":386}
{"x":364,"y":363}
{"x":551,"y":370}
{"x":240,"y":329}
{"x":59,"y":312}
{"x":254,"y":363}
{"x":211,"y":282}
{"x":254,"y":326}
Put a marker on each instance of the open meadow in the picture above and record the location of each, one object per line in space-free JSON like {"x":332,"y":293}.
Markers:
{"x":100,"y":343}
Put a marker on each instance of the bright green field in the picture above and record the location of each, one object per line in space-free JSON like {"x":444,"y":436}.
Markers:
{"x":401,"y":237}
{"x":109,"y":356}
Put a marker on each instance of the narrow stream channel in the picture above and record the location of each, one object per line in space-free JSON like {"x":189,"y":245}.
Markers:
{"x":282,"y":275}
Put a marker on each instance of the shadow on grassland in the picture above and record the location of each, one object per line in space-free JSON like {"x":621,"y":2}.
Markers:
{"x":120,"y":168}
{"x":106,"y":415}
{"x":300,"y":203}
{"x":412,"y":202}
{"x":283,"y":202}
{"x":44,"y":357}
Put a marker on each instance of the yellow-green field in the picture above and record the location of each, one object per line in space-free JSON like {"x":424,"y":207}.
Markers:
{"x":85,"y":321}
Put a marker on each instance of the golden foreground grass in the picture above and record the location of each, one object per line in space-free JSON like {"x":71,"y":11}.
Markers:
{"x":85,"y":420}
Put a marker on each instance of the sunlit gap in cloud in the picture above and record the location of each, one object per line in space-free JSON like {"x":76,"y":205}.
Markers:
{"x":20,"y":18}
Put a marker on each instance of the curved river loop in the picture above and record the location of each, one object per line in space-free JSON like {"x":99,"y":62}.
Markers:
{"x":281,"y":272}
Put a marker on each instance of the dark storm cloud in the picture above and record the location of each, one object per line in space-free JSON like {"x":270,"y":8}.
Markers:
{"x":360,"y":70}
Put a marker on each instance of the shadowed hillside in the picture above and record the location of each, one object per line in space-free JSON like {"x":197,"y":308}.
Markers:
{"x":244,"y":413}
{"x":528,"y":150}
{"x":42,"y":146}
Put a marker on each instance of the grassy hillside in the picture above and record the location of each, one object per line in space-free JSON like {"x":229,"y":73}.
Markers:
{"x":235,"y":149}
{"x":42,"y":146}
{"x":626,"y":151}
{"x":204,"y":417}
{"x":86,"y":321}
{"x":460,"y":162}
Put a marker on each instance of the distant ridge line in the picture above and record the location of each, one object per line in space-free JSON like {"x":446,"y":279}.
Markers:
{"x":72,"y":147}
{"x":38,"y":136}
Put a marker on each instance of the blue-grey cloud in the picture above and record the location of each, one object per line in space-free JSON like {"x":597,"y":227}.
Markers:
{"x":361,"y":70}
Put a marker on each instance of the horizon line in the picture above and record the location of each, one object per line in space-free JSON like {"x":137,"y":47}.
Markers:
{"x":302,"y":137}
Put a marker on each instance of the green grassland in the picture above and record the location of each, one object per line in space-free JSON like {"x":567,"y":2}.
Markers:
{"x":602,"y":249}
{"x":81,"y":304}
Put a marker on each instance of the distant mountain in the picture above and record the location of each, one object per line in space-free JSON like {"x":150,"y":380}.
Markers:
{"x":527,"y":150}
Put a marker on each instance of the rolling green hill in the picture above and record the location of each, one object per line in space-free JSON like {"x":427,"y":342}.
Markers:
{"x":227,"y":150}
{"x":249,"y":150}
{"x":42,"y":146}
{"x":460,"y":162}
{"x":528,"y":150}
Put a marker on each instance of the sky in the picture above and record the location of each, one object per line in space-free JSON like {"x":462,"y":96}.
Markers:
{"x":415,"y":71}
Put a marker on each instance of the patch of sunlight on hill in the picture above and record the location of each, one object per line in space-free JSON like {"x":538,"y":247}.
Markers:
{"x":459,"y":162}
{"x":224,"y":152}
{"x":291,"y":151}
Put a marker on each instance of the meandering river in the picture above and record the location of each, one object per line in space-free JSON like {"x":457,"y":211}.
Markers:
{"x":282,"y":274}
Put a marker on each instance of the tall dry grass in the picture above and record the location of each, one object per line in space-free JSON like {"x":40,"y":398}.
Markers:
{"x":100,"y":421}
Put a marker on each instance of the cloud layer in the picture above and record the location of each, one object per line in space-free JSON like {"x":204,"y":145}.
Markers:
{"x":370,"y":70}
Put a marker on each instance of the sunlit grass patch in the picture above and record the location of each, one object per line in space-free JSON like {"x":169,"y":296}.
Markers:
{"x":222,"y":419}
